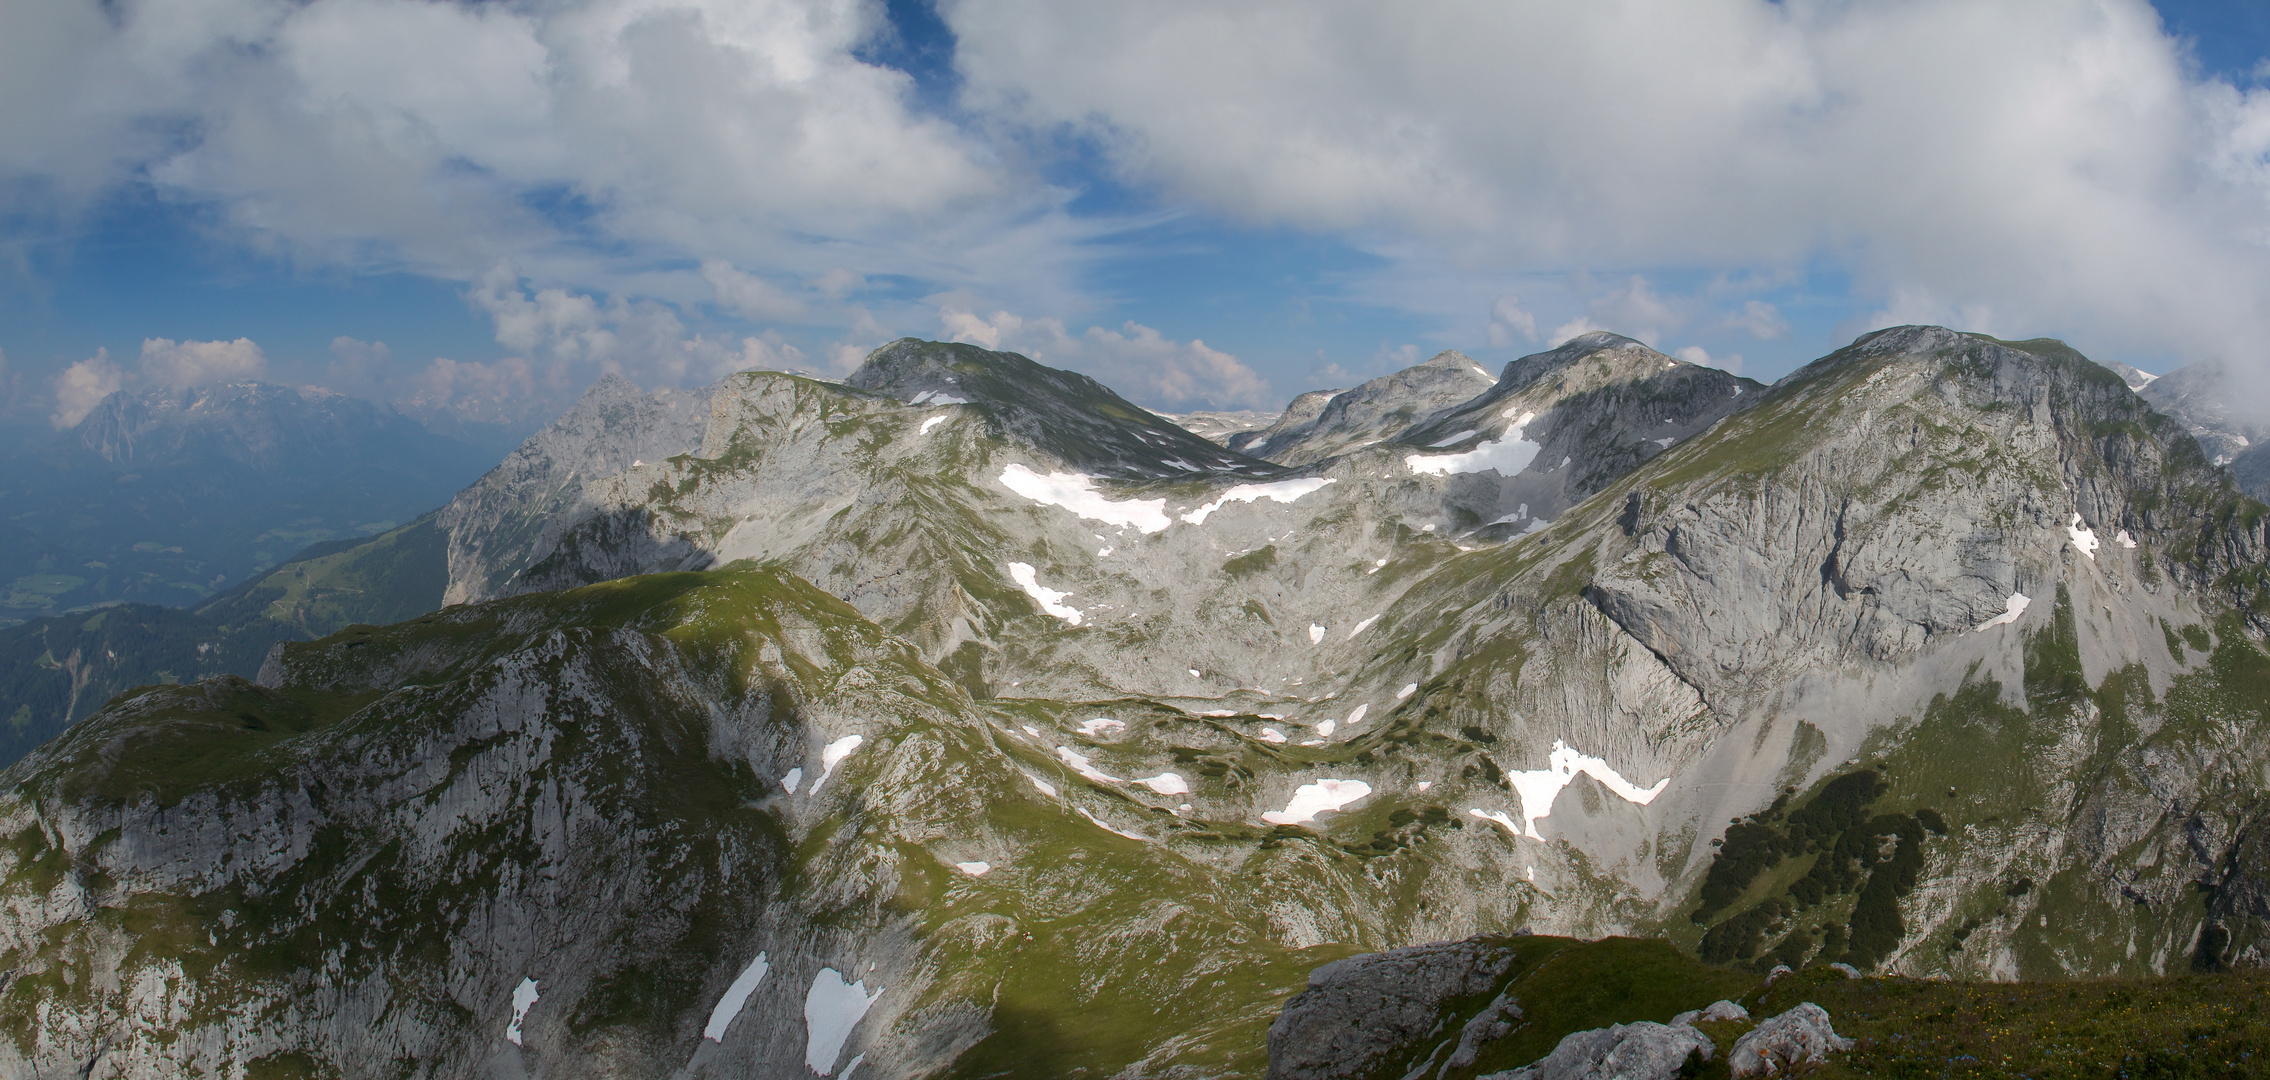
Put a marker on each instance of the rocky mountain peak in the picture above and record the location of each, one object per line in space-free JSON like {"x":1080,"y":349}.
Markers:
{"x":1298,"y":415}
{"x":1616,"y":358}
{"x":1377,"y":410}
{"x":1071,"y":415}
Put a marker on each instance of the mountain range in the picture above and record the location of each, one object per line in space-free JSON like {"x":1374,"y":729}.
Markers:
{"x":964,"y":719}
{"x":169,"y":497}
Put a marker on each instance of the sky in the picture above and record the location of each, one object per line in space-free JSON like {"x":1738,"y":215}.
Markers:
{"x":474,"y":209}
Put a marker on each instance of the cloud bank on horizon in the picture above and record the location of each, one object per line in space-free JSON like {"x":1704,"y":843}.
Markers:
{"x":681,"y":188}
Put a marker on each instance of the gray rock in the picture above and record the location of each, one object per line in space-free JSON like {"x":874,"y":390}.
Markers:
{"x":1642,"y":1051}
{"x":1378,"y":410}
{"x":1711,"y":1013}
{"x":1494,"y":1022}
{"x":1361,"y":1012}
{"x":1801,"y":1036}
{"x":1849,"y":971}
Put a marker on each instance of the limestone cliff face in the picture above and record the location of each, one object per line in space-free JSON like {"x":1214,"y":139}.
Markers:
{"x":1024,"y":719}
{"x":512,"y":515}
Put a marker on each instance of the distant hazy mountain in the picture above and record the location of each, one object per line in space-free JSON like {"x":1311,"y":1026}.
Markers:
{"x":169,"y":497}
{"x":2230,"y":419}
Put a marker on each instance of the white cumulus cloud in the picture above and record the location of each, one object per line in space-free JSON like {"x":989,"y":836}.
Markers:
{"x":2047,"y":161}
{"x":178,"y":365}
{"x":82,"y":386}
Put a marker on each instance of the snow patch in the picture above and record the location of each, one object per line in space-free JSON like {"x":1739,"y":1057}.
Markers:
{"x":973,"y":869}
{"x":2126,"y":540}
{"x":2084,"y":537}
{"x":832,"y":755}
{"x":1284,"y":491}
{"x":2017,"y":606}
{"x":1272,"y":735}
{"x":1326,"y":728}
{"x":523,"y":996}
{"x":1507,"y":454}
{"x":1498,"y":817}
{"x":1664,"y":443}
{"x":1361,"y":627}
{"x":1099,"y":725}
{"x":1077,"y":492}
{"x":832,"y":1008}
{"x":1357,"y":717}
{"x":1048,"y":599}
{"x":1079,"y":763}
{"x":1315,"y":633}
{"x":1409,"y":689}
{"x":1424,"y":784}
{"x":736,"y":996}
{"x":1377,"y":567}
{"x":1166,"y":783}
{"x":1538,"y":788}
{"x":1045,"y":787}
{"x":1317,"y":798}
{"x":1099,"y":823}
{"x":930,"y":423}
{"x":1031,"y":730}
{"x":794,"y":779}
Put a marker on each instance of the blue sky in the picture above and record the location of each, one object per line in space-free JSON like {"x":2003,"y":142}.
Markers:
{"x":475,"y":210}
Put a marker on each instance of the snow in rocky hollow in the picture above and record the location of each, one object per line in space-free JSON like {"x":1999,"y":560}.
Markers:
{"x":832,"y":1008}
{"x":1050,"y":600}
{"x":2016,"y":606}
{"x":1077,"y":492}
{"x":736,"y":996}
{"x":1507,"y":454}
{"x":1320,"y":797}
{"x":524,"y":997}
{"x":1283,"y":491}
{"x":1538,"y":788}
{"x":832,"y":755}
{"x":1079,"y":763}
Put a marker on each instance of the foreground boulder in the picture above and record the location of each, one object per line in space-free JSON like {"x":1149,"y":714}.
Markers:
{"x":1801,"y":1036}
{"x":1642,"y":1051}
{"x":1359,"y":1012}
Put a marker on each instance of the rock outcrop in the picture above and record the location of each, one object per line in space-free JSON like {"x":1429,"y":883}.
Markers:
{"x":1361,"y":1013}
{"x":1639,"y":1051}
{"x":1801,"y":1036}
{"x":1714,"y":1012}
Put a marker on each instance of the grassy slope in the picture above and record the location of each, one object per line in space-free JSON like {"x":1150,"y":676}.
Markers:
{"x":2211,"y":1025}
